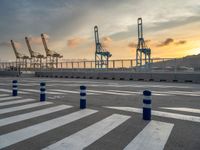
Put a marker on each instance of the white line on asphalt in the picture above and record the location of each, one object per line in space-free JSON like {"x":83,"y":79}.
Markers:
{"x":16,"y":102}
{"x":107,"y":92}
{"x":69,"y":91}
{"x":159,"y":113}
{"x":33,"y":114}
{"x":38,"y":91}
{"x":185,"y":109}
{"x":131,"y":92}
{"x":9,"y":98}
{"x":10,"y":91}
{"x":4,"y":95}
{"x":31,"y":131}
{"x":87,"y":136}
{"x":17,"y":108}
{"x":153,"y":137}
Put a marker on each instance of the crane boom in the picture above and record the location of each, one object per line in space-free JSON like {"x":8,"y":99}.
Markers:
{"x":15,"y":50}
{"x":29,"y":47}
{"x":48,"y":52}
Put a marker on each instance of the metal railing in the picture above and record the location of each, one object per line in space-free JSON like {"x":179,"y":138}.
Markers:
{"x":157,"y":64}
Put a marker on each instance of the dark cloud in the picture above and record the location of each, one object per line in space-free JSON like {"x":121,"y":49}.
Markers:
{"x":168,"y":41}
{"x":181,"y":42}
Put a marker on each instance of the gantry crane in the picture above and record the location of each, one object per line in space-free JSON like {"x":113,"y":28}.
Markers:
{"x":142,"y":48}
{"x":51,"y":56}
{"x":101,"y":55}
{"x":21,"y":59}
{"x":36,"y":58}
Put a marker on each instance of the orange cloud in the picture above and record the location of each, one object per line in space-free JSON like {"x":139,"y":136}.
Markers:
{"x":106,"y":41}
{"x":18,"y":45}
{"x":168,"y":41}
{"x":74,"y":42}
{"x":132,"y":45}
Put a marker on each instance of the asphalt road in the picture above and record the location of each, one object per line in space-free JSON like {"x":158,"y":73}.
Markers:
{"x":112,"y":120}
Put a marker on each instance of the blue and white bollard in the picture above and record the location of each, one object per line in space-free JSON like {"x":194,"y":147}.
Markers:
{"x":147,"y":105}
{"x":42,"y":91}
{"x":83,"y":97}
{"x":14,"y":88}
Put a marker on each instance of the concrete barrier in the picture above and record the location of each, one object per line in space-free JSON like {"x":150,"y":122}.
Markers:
{"x":122,"y":75}
{"x":9,"y":73}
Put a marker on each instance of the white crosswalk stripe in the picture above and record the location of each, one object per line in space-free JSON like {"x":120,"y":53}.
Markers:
{"x":90,"y":134}
{"x":152,"y":137}
{"x":31,"y":131}
{"x":16,"y":102}
{"x":184,"y":109}
{"x":4,"y":95}
{"x":70,"y":91}
{"x":9,"y":98}
{"x":107,"y":92}
{"x":33,"y":114}
{"x":159,"y":113}
{"x":38,"y":91}
{"x":10,"y":91}
{"x":23,"y":107}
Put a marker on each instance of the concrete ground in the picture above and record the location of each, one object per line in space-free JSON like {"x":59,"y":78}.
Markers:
{"x":112,"y":120}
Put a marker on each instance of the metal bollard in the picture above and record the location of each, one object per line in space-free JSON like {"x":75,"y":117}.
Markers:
{"x":14,"y":88}
{"x":42,"y":91}
{"x":83,"y":97}
{"x":147,"y":105}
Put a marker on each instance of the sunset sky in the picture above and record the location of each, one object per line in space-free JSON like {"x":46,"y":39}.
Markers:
{"x":171,"y":27}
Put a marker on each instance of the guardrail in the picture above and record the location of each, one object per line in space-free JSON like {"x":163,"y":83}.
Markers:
{"x":157,"y":64}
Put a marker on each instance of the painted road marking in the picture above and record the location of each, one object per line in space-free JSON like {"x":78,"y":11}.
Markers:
{"x":107,"y":92}
{"x":38,"y":91}
{"x":131,"y":92}
{"x":73,"y":92}
{"x":185,"y":109}
{"x":159,"y":113}
{"x":31,"y":131}
{"x":17,"y":108}
{"x":4,"y":95}
{"x":33,"y":114}
{"x":153,"y":137}
{"x":177,"y":93}
{"x":10,"y":91}
{"x":89,"y":135}
{"x":9,"y":98}
{"x":17,"y":102}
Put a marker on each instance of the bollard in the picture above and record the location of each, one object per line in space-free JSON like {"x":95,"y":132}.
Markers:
{"x":83,"y":97}
{"x":14,"y":88}
{"x":147,"y":105}
{"x":42,"y":91}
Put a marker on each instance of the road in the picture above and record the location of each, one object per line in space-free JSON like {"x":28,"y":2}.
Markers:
{"x":111,"y":121}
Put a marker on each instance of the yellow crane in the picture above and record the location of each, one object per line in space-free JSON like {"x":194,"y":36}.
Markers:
{"x":21,"y":59}
{"x":51,"y":56}
{"x":36,"y":58}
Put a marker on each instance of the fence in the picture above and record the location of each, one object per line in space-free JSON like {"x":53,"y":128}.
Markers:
{"x":157,"y":64}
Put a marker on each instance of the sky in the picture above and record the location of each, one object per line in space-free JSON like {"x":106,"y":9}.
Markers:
{"x":171,"y":27}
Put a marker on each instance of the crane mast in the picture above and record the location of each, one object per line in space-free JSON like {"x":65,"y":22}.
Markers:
{"x":101,"y":55}
{"x":36,"y":58}
{"x":142,"y":49}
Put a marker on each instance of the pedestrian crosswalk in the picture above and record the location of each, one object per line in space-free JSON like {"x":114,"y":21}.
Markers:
{"x":53,"y":91}
{"x":84,"y":137}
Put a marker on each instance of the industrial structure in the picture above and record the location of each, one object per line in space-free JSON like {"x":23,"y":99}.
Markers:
{"x":142,"y":48}
{"x":36,"y":58}
{"x":101,"y":55}
{"x":21,"y":59}
{"x":51,"y":56}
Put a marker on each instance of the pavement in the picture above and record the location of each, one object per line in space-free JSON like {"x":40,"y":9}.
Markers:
{"x":111,"y":121}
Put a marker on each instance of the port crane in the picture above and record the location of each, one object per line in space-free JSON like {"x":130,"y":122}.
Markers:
{"x":21,"y":59}
{"x":36,"y":58}
{"x":52,"y":57}
{"x":142,"y":48}
{"x":101,"y":54}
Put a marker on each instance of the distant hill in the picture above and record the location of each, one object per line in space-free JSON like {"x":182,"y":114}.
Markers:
{"x":191,"y":61}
